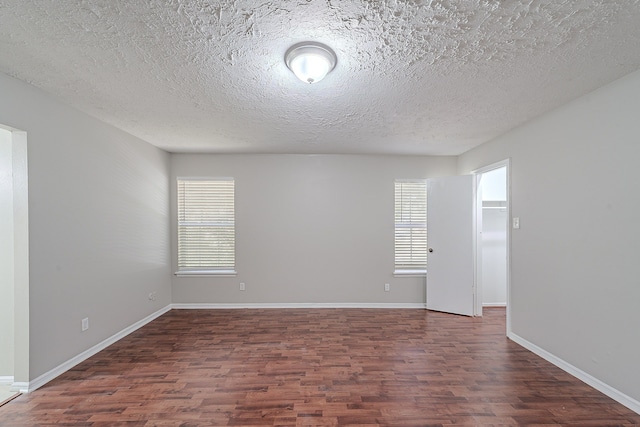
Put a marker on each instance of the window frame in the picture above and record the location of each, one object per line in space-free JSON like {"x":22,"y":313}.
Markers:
{"x":404,"y":269}
{"x":210,"y":270}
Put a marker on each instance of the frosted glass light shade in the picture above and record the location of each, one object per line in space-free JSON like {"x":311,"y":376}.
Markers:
{"x":310,"y":61}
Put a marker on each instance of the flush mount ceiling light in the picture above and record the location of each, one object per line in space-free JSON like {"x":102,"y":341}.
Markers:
{"x":310,"y":61}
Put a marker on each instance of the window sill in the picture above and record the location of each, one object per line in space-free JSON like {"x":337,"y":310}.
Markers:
{"x":410,"y":273}
{"x":206,"y":273}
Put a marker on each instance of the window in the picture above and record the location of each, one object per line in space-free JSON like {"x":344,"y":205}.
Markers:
{"x":410,"y":226}
{"x":206,"y":226}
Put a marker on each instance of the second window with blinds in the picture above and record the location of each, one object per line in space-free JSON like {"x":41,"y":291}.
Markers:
{"x":410,"y":227}
{"x":206,"y":226}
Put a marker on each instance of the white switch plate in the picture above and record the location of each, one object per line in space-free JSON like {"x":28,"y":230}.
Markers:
{"x":85,"y":324}
{"x":386,"y":287}
{"x":242,"y":287}
{"x":516,"y":223}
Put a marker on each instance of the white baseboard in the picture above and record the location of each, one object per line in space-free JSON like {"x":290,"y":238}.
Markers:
{"x":14,"y":386}
{"x":494,"y":304}
{"x":53,"y":373}
{"x":181,"y":306}
{"x":604,"y":388}
{"x":21,"y":387}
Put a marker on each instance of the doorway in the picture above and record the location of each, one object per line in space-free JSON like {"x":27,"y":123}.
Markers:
{"x":14,"y":260}
{"x":492,"y":265}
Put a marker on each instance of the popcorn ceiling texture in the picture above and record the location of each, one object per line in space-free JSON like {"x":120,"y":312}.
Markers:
{"x":413,"y":77}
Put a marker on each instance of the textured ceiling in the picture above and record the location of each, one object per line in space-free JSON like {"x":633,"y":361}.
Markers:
{"x":413,"y":77}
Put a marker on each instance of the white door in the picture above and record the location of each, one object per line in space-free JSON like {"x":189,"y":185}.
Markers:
{"x":451,"y":241}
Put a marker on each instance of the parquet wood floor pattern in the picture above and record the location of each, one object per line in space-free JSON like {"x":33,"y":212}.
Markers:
{"x":324,"y":367}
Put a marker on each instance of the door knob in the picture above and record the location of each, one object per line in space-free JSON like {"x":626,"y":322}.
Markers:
{"x":430,"y":249}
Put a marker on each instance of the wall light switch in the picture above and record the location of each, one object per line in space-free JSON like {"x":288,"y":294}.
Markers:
{"x":516,"y":223}
{"x":386,"y":287}
{"x":85,"y":324}
{"x":242,"y":287}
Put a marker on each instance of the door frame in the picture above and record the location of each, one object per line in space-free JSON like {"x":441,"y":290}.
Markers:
{"x":478,"y":172}
{"x":20,"y":194}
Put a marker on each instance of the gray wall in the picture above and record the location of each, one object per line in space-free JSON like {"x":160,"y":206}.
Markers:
{"x":310,"y":228}
{"x":98,"y":225}
{"x":575,"y":275}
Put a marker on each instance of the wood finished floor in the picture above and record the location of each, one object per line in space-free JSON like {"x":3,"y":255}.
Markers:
{"x":324,"y":367}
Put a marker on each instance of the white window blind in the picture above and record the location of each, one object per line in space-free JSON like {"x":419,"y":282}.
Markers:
{"x":410,"y":226}
{"x":206,"y":225}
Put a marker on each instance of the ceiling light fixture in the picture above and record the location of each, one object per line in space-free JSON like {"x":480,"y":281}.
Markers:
{"x":310,"y":61}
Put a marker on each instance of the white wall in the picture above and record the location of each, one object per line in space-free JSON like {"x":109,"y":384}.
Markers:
{"x":494,"y":256}
{"x":575,"y":275}
{"x":6,"y":255}
{"x":310,"y":229}
{"x":98,"y":225}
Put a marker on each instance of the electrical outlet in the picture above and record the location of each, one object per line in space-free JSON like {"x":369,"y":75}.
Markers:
{"x":85,"y":324}
{"x":516,"y":223}
{"x":242,"y":287}
{"x":387,"y":288}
